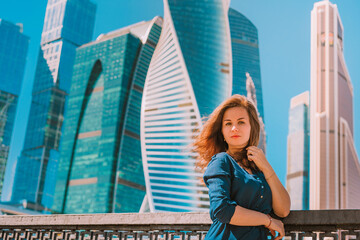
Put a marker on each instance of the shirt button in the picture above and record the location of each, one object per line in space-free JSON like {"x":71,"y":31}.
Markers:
{"x":262,"y":186}
{"x":261,"y":196}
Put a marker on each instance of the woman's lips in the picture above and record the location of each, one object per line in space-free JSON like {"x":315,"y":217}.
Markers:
{"x":235,"y":136}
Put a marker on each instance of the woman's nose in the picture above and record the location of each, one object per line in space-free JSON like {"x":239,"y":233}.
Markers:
{"x":234,"y":128}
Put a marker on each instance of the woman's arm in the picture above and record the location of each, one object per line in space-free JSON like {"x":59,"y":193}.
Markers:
{"x":280,"y":197}
{"x":246,"y":217}
{"x":217,"y":179}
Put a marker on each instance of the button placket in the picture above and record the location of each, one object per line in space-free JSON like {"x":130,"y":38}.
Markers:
{"x":262,"y":190}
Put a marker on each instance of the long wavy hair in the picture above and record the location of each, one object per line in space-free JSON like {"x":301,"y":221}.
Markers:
{"x":210,"y":141}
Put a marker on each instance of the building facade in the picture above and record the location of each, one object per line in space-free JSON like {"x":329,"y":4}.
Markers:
{"x":246,"y":61}
{"x":100,"y":168}
{"x":298,"y":152}
{"x":67,"y":25}
{"x":334,"y":164}
{"x":13,"y":50}
{"x":252,"y":96}
{"x":245,"y":56}
{"x":189,"y":75}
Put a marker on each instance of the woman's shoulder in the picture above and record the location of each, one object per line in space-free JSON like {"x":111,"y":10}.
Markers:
{"x":220,"y":155}
{"x":220,"y":159}
{"x":220,"y":164}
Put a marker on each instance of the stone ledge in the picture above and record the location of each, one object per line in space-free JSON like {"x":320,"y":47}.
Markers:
{"x":296,"y":218}
{"x":107,"y":219}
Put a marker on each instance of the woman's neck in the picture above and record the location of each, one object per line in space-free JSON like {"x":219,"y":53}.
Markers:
{"x":234,"y":151}
{"x":240,"y":157}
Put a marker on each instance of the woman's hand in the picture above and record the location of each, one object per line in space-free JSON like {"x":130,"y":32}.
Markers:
{"x":256,"y":155}
{"x":277,"y":226}
{"x":280,"y":197}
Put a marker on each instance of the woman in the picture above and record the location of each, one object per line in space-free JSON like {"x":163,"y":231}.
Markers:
{"x":243,"y":187}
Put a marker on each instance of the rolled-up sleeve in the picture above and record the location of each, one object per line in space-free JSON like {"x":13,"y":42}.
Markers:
{"x":217,"y":178}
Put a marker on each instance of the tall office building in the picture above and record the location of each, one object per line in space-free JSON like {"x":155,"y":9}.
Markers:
{"x":298,"y":152}
{"x":246,"y":61}
{"x":68,"y":24}
{"x":245,"y":56}
{"x":334,"y":164}
{"x":13,"y":50}
{"x":189,"y":75}
{"x":100,"y":168}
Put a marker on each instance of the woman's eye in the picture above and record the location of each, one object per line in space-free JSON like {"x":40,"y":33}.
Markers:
{"x":241,"y":122}
{"x":227,"y":124}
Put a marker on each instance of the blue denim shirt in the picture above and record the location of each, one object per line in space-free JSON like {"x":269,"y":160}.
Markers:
{"x":231,"y":185}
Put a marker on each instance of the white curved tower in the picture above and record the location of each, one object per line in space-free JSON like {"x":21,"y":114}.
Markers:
{"x":189,"y":75}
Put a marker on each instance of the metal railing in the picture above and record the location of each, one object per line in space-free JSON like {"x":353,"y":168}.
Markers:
{"x":323,"y":224}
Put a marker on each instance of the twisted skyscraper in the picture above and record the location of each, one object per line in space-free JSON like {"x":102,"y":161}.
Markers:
{"x":189,"y":75}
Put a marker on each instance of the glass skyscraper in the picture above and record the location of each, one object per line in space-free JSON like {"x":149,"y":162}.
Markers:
{"x":13,"y":50}
{"x":246,"y":61}
{"x":298,"y":152}
{"x":100,"y":168}
{"x":245,"y":56}
{"x":68,"y":24}
{"x":189,"y":75}
{"x":334,"y":163}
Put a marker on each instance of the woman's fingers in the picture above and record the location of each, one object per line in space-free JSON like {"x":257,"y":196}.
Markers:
{"x":280,"y":236}
{"x":253,"y":151}
{"x":253,"y":148}
{"x":277,"y":226}
{"x":251,"y":158}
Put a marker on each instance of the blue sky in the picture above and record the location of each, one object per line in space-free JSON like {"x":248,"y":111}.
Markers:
{"x":284,"y":42}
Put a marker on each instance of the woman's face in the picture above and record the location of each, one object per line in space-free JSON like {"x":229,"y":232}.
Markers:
{"x":236,"y":127}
